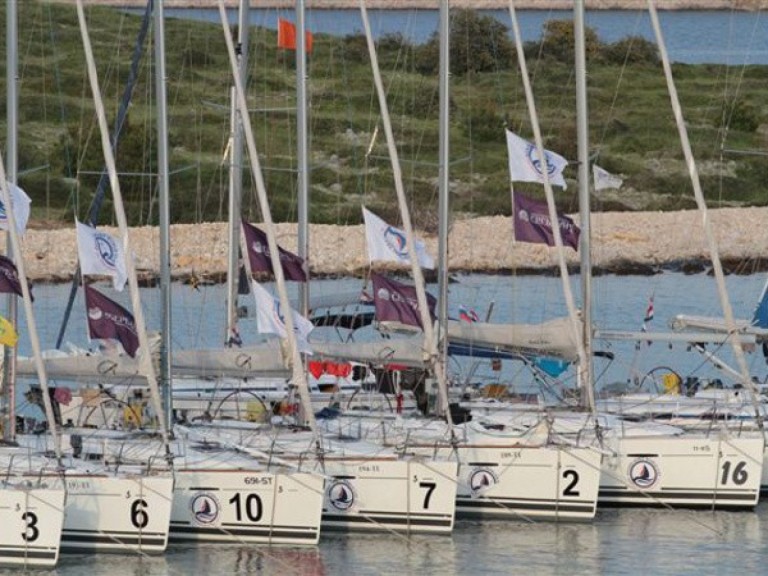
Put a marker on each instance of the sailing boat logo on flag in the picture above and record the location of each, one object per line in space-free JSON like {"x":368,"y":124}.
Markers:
{"x":533,"y":158}
{"x":525,"y":166}
{"x":107,"y":249}
{"x":95,"y":313}
{"x":279,"y":316}
{"x":396,"y":241}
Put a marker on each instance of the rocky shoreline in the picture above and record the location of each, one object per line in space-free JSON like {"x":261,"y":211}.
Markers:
{"x":623,"y":243}
{"x":747,"y":5}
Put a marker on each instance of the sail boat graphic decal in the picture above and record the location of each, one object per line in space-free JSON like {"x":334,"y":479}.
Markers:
{"x":341,"y":495}
{"x":205,"y":508}
{"x":643,"y":473}
{"x":481,"y":479}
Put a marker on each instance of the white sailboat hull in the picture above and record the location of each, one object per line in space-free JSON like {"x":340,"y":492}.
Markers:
{"x":32,"y":523}
{"x":117,"y":514}
{"x":375,"y":495}
{"x":246,"y":507}
{"x":527,"y":482}
{"x":683,"y":472}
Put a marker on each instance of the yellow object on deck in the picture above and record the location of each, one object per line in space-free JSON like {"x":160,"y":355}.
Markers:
{"x":255,"y":411}
{"x":671,"y":383}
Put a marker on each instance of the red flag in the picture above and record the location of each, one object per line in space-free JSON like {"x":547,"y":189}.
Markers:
{"x":286,"y":36}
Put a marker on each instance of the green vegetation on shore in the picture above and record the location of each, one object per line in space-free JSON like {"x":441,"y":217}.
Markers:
{"x":631,"y":121}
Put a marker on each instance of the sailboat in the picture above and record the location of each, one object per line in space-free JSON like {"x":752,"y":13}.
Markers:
{"x":646,"y":464}
{"x":503,"y":473}
{"x":369,"y":488}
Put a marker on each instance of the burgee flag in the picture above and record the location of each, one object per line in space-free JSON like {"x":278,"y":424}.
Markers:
{"x":604,"y":179}
{"x":524,"y":164}
{"x":9,"y":278}
{"x":389,"y":244}
{"x":286,"y":36}
{"x":8,"y":335}
{"x":100,"y":253}
{"x":107,"y":320}
{"x":261,"y":260}
{"x":532,"y":224}
{"x":21,"y":203}
{"x":271,"y":320}
{"x":396,"y":302}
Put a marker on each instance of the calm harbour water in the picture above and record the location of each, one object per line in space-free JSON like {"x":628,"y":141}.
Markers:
{"x":699,"y":36}
{"x":631,"y":541}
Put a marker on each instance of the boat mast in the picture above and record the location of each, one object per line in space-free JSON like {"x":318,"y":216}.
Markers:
{"x":430,"y":344}
{"x":302,"y":142}
{"x":576,"y":325}
{"x":236,"y":176}
{"x":165,"y":379}
{"x":12,"y":106}
{"x":443,"y":182}
{"x":101,"y":187}
{"x":145,"y":360}
{"x":37,"y":352}
{"x":299,"y":376}
{"x":714,"y":252}
{"x":585,"y":369}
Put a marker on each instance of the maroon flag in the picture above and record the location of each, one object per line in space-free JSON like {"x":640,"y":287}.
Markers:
{"x":109,"y":320}
{"x":9,"y":278}
{"x":532,"y":224}
{"x":261,"y":261}
{"x":396,"y":302}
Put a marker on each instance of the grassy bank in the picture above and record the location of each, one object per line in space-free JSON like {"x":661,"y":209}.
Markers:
{"x":631,"y":123}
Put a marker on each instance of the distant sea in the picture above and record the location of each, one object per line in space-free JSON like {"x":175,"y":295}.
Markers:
{"x":692,"y":36}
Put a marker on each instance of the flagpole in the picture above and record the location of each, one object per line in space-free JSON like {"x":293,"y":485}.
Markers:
{"x":12,"y":108}
{"x":166,"y":377}
{"x":512,"y":199}
{"x":236,"y":176}
{"x":31,"y":324}
{"x":585,"y":370}
{"x":302,"y":156}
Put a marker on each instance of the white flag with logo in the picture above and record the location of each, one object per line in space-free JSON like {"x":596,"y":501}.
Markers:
{"x":524,"y":164}
{"x":389,"y":244}
{"x":604,"y":179}
{"x":21,"y":204}
{"x":100,"y":253}
{"x":271,"y":320}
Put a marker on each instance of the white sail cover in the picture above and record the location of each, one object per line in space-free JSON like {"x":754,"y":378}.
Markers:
{"x":403,"y":351}
{"x":92,"y":367}
{"x":552,"y":338}
{"x":263,"y":359}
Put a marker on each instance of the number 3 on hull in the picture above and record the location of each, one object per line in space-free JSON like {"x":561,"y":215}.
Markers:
{"x":32,"y":519}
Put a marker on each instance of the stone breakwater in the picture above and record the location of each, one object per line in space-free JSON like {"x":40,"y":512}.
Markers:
{"x":623,"y":242}
{"x":477,"y":4}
